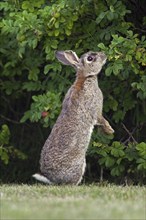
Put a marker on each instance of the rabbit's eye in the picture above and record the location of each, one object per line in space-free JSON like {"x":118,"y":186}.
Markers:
{"x":89,"y":58}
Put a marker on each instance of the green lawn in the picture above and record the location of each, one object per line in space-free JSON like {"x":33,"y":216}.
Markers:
{"x":76,"y":202}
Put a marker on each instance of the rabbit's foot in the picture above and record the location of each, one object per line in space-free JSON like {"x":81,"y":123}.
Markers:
{"x":106,"y":126}
{"x":108,"y":129}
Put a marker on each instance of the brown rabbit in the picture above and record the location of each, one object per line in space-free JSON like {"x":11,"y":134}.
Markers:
{"x":63,"y":155}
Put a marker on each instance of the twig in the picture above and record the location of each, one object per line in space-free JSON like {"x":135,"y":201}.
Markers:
{"x":130,"y":134}
{"x":101,"y":174}
{"x":10,"y":120}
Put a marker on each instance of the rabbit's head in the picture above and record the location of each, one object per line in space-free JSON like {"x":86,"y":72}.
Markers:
{"x":89,"y":64}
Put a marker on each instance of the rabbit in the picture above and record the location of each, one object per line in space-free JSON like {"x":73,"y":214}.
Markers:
{"x":63,"y":155}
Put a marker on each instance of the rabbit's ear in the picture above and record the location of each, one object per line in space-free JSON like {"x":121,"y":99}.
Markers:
{"x":68,"y":57}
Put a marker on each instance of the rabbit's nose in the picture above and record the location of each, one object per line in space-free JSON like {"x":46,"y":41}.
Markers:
{"x":103,"y":56}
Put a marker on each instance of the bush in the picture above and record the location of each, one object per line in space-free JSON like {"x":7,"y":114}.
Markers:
{"x":7,"y":151}
{"x":125,"y":162}
{"x":33,"y":82}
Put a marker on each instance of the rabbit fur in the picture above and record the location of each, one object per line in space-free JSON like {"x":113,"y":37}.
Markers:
{"x":62,"y":158}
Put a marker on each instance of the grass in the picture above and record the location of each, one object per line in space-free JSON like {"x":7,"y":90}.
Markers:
{"x":72,"y":202}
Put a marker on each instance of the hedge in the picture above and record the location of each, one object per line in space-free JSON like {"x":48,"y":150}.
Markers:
{"x":33,"y":83}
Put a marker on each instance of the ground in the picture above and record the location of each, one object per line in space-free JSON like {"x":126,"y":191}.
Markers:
{"x":73,"y":202}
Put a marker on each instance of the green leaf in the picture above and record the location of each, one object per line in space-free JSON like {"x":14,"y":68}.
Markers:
{"x":4,"y":155}
{"x":26,"y":116}
{"x":109,"y":162}
{"x":108,"y":71}
{"x":56,"y":34}
{"x":33,"y":74}
{"x":32,"y":86}
{"x":102,"y":161}
{"x":54,"y":44}
{"x":110,"y":15}
{"x":68,"y":32}
{"x":4,"y":135}
{"x":117,"y":171}
{"x":102,"y":46}
{"x":34,"y":43}
{"x":118,"y":116}
{"x":47,"y":68}
{"x":57,"y":24}
{"x":117,"y":152}
{"x":100,"y":17}
{"x":74,"y":17}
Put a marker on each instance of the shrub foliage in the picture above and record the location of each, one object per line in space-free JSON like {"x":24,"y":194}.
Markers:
{"x":33,"y":82}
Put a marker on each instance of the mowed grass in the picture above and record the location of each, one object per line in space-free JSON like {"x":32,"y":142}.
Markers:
{"x":72,"y":202}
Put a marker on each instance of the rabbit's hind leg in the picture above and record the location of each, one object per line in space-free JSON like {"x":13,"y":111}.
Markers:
{"x":83,"y":171}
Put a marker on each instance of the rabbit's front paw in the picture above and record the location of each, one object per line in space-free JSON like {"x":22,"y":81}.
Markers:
{"x":109,"y":130}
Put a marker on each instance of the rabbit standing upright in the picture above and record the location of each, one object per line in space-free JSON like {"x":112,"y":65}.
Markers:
{"x":63,"y":155}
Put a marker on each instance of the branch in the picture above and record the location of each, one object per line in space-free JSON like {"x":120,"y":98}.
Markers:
{"x":130,"y":134}
{"x":10,"y":120}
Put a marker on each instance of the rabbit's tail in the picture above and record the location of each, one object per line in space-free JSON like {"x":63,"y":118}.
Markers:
{"x":41,"y":178}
